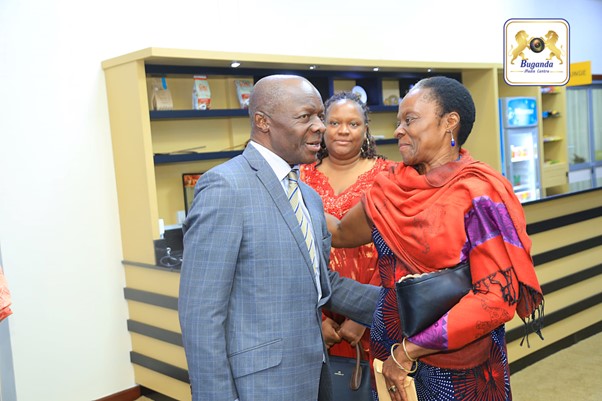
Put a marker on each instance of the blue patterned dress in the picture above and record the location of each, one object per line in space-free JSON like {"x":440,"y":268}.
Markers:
{"x":489,"y":381}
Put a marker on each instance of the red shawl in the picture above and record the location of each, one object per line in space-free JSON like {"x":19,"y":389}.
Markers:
{"x":421,"y":218}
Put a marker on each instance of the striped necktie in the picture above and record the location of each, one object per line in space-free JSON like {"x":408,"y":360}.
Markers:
{"x":294,"y":197}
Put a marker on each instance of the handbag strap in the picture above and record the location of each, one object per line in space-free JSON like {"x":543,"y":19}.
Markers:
{"x":356,"y":375}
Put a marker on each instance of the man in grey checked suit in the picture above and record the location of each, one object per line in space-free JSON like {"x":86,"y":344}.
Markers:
{"x":250,"y":299}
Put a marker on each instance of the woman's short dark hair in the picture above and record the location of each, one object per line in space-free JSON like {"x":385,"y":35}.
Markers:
{"x":451,"y":95}
{"x":369,"y":145}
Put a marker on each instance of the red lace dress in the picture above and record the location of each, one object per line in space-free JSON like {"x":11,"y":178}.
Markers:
{"x":358,"y":263}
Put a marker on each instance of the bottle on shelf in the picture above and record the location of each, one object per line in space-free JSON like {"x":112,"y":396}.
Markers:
{"x":550,"y":113}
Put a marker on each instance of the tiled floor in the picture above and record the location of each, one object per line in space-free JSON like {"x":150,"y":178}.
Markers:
{"x":573,"y":374}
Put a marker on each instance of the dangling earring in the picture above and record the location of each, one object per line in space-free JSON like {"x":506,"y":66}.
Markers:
{"x":453,"y":141}
{"x":365,"y":147}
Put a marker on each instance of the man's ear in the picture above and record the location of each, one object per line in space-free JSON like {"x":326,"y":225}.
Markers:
{"x":261,"y":121}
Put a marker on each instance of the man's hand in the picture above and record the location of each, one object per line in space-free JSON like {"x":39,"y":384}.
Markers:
{"x":330,"y":330}
{"x":351,"y":332}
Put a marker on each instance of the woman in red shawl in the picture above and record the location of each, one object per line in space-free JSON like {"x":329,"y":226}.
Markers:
{"x":436,"y":209}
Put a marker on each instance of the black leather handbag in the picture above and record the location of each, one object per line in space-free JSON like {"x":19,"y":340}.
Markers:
{"x":351,"y":377}
{"x":423,"y":299}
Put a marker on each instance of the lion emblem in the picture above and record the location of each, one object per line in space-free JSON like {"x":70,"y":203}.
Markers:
{"x":522,"y":42}
{"x":550,"y":40}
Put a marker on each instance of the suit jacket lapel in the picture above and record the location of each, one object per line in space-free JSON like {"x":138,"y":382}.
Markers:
{"x":266,"y":175}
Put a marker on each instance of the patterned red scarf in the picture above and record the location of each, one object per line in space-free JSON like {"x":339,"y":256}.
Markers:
{"x":415,"y":214}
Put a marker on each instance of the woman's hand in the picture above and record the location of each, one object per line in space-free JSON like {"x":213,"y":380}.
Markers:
{"x":403,"y":360}
{"x":395,"y":375}
{"x":351,"y":332}
{"x":330,"y":331}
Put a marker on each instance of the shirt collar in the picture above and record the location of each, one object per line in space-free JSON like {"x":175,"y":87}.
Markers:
{"x":278,"y":164}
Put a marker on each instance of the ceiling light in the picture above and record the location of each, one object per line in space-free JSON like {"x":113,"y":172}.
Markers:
{"x":234,"y":64}
{"x":375,"y":69}
{"x":313,"y":67}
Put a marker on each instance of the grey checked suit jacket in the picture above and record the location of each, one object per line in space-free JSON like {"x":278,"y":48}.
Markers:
{"x":248,"y":307}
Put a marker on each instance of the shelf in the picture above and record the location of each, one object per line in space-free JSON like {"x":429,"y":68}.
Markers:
{"x":521,"y":187}
{"x":390,"y":141}
{"x":554,"y":174}
{"x":550,"y":163}
{"x":382,"y":109}
{"x":165,"y":158}
{"x":549,"y":90}
{"x":554,"y":139}
{"x":525,"y":196}
{"x":324,"y":80}
{"x":191,"y":114}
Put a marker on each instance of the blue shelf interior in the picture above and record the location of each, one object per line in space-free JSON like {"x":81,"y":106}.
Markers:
{"x":323,"y":80}
{"x":165,"y":158}
{"x":192,"y":114}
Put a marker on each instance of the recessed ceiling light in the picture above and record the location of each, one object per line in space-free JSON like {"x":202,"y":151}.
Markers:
{"x":313,"y":67}
{"x":375,"y":69}
{"x":234,"y":64}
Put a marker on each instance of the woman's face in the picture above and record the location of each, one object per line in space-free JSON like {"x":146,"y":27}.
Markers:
{"x":420,"y":131}
{"x":345,"y":129}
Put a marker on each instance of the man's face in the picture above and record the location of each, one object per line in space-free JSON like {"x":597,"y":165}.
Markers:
{"x":295,"y":125}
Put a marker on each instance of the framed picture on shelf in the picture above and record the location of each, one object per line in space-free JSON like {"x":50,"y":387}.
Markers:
{"x":188,"y":183}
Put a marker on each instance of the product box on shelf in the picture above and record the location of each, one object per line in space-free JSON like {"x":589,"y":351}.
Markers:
{"x":201,"y":93}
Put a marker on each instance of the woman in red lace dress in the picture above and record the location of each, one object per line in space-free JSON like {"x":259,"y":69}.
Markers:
{"x":346,"y":167}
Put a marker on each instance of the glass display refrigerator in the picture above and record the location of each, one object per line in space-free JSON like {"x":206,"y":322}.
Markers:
{"x":520,"y":151}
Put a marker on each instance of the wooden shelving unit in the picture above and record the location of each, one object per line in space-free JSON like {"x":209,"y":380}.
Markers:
{"x":555,"y":167}
{"x":148,"y":175}
{"x":149,"y":162}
